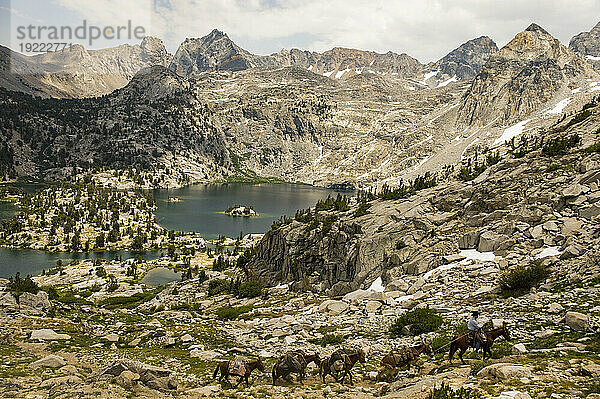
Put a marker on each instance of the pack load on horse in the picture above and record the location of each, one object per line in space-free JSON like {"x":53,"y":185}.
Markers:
{"x":293,"y":362}
{"x":477,"y":338}
{"x":340,"y":363}
{"x":404,"y":356}
{"x":240,"y":367}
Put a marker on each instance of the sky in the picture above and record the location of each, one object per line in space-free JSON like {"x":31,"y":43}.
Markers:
{"x":424,"y":29}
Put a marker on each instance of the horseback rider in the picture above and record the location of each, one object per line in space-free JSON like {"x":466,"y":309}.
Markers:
{"x":475,"y":331}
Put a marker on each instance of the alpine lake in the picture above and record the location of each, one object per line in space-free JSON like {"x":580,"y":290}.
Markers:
{"x":197,"y":208}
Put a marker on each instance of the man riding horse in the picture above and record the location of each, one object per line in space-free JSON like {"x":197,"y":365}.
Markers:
{"x":476,"y":331}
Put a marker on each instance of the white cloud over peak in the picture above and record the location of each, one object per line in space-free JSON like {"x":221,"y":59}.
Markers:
{"x":426,"y":29}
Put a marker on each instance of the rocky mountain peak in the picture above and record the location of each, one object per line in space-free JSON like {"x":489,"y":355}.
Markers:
{"x":214,"y":51}
{"x":466,"y":61}
{"x":517,"y":80}
{"x":536,"y":28}
{"x":588,"y":45}
{"x":153,"y":51}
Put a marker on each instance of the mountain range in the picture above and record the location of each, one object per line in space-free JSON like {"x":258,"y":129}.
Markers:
{"x":343,"y":117}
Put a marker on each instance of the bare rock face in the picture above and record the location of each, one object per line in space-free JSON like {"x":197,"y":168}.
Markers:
{"x":466,"y":61}
{"x":216,"y":51}
{"x":343,"y":62}
{"x":517,"y":80}
{"x":77,"y":72}
{"x":588,"y":45}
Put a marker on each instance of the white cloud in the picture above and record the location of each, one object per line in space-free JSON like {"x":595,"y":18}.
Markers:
{"x":426,"y":29}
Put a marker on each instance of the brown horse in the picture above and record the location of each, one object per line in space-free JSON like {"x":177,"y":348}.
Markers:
{"x":249,"y":368}
{"x":406,"y":356}
{"x":293,"y":362}
{"x":348,"y":360}
{"x":463,"y":341}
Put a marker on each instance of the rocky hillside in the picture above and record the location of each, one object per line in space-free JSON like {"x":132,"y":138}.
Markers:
{"x":77,"y":72}
{"x":537,"y":195}
{"x":143,"y":127}
{"x":517,"y":80}
{"x":588,"y":45}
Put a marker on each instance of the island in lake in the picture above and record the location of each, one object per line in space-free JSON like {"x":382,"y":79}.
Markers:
{"x":241,"y":211}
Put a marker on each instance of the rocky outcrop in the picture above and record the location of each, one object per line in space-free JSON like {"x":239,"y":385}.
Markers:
{"x":588,"y":45}
{"x":466,"y":61}
{"x":517,"y":80}
{"x":127,"y":372}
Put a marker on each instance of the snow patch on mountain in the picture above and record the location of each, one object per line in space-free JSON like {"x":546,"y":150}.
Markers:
{"x":511,"y":132}
{"x":559,"y":107}
{"x":447,"y":82}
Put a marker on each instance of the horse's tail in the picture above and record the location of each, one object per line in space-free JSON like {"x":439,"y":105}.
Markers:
{"x":274,"y":373}
{"x":216,"y":371}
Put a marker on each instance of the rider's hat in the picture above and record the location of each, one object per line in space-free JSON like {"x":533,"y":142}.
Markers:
{"x":475,"y":313}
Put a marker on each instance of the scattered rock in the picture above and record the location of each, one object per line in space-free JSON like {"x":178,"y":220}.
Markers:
{"x":111,"y":338}
{"x":206,"y":391}
{"x":505,"y":371}
{"x":555,"y":308}
{"x":333,"y":306}
{"x":51,"y":361}
{"x":47,"y":334}
{"x":577,"y":321}
{"x":372,"y":306}
{"x":204,"y":355}
{"x":187,"y":338}
{"x":519,"y":349}
{"x":151,"y":376}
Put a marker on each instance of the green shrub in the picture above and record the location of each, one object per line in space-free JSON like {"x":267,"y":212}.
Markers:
{"x":52,"y":292}
{"x":232,"y":313}
{"x":112,"y":284}
{"x":329,"y":339}
{"x":18,"y":285}
{"x":128,"y":302}
{"x":560,"y":145}
{"x":328,"y":223}
{"x":579,"y":117}
{"x":218,"y":286}
{"x":400,"y":244}
{"x":363,"y":209}
{"x":553,"y":168}
{"x":421,"y":321}
{"x":446,"y":392}
{"x":69,"y":298}
{"x":479,"y":365}
{"x":594,"y":147}
{"x":340,"y":203}
{"x":493,"y":158}
{"x":520,"y":280}
{"x":250,"y":289}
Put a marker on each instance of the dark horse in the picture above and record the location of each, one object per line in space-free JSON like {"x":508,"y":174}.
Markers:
{"x":340,"y":364}
{"x":249,"y":368}
{"x":405,"y":356}
{"x":463,"y":341}
{"x":293,"y":362}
